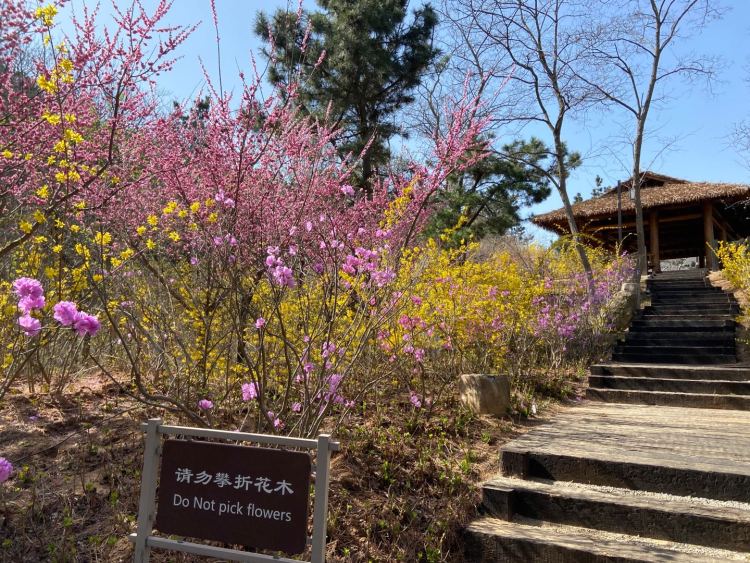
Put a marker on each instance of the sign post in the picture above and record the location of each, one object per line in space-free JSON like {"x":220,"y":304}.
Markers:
{"x":252,"y":496}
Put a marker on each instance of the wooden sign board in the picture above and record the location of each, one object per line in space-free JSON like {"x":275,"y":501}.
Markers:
{"x":251,"y":496}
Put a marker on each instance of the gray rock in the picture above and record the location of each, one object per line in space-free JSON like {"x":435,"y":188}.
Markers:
{"x":485,"y":394}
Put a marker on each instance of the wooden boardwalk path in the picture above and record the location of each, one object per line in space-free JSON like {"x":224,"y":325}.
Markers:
{"x":657,"y":469}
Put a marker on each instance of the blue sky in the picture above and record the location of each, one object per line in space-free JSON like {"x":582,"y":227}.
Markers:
{"x":696,"y":120}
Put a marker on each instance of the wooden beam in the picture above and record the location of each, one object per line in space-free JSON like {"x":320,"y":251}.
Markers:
{"x":708,"y":235}
{"x":653,"y":220}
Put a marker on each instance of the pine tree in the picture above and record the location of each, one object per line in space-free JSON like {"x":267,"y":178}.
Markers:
{"x":375,"y":56}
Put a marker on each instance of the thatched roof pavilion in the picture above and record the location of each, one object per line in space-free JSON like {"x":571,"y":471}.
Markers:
{"x":683,"y":218}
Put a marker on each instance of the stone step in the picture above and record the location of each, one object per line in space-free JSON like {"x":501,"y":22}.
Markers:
{"x":646,"y":328}
{"x":682,"y":300}
{"x":707,"y":350}
{"x":708,"y":522}
{"x":687,"y":339}
{"x":656,"y":358}
{"x":491,"y":540}
{"x":687,"y":316}
{"x":675,"y":469}
{"x":699,"y":386}
{"x":692,"y":309}
{"x":684,"y":285}
{"x":689,"y":400}
{"x":673,"y":371}
{"x":691,"y":324}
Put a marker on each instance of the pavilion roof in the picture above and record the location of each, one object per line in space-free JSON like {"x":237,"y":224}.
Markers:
{"x":656,"y":191}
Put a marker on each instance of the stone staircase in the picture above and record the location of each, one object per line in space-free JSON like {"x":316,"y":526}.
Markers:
{"x":620,"y":483}
{"x":679,"y":351}
{"x":656,"y":468}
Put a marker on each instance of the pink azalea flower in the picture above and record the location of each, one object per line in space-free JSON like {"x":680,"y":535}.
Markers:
{"x":205,"y":404}
{"x":84,"y":324}
{"x":249,"y":391}
{"x":415,"y":400}
{"x":65,"y":312}
{"x":29,"y":325}
{"x":29,"y":303}
{"x":346,"y":189}
{"x":6,"y":469}
{"x":260,"y":323}
{"x":28,"y":287}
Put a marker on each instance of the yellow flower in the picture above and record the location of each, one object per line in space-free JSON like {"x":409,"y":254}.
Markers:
{"x":57,"y":249}
{"x":39,"y":217}
{"x":43,"y":192}
{"x":152,"y":220}
{"x":127,"y":254}
{"x":7,"y":154}
{"x":150,"y":244}
{"x":169,"y":208}
{"x":46,"y":14}
{"x":25,"y":227}
{"x":212,"y":217}
{"x":80,"y":206}
{"x":70,"y":118}
{"x":51,"y":118}
{"x":174,"y":236}
{"x":51,"y":160}
{"x":140,"y":230}
{"x":195,"y":206}
{"x":27,"y":156}
{"x":97,"y":277}
{"x":73,"y":136}
{"x":182,"y":213}
{"x":75,"y":228}
{"x":47,"y":85}
{"x":102,"y":239}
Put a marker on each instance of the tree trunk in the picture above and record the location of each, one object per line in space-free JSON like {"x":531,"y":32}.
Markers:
{"x":562,"y":188}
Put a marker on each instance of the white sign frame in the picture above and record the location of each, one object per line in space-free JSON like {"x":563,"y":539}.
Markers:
{"x":143,"y":539}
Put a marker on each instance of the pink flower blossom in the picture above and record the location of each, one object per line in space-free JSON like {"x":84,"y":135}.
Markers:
{"x":205,"y":404}
{"x":6,"y":469}
{"x":65,"y":312}
{"x":29,"y":325}
{"x":260,"y":322}
{"x":28,"y":287}
{"x":29,"y":303}
{"x":84,"y":324}
{"x":249,"y":391}
{"x":415,"y":400}
{"x":296,"y":407}
{"x":346,"y":189}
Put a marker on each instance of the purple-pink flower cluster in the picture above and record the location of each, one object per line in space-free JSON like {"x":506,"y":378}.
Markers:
{"x":6,"y":469}
{"x":280,"y":273}
{"x":30,"y":293}
{"x":249,"y":391}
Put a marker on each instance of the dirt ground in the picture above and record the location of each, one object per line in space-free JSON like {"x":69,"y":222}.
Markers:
{"x":398,"y":492}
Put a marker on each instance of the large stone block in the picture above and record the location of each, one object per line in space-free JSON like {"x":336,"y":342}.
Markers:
{"x":485,"y":394}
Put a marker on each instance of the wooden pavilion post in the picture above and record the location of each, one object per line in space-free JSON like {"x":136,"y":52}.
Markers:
{"x":653,"y":219}
{"x":708,"y":235}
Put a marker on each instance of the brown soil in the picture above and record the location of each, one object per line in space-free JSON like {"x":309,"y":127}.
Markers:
{"x":401,"y":489}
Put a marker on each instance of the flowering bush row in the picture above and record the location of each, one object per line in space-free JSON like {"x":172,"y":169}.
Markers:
{"x":231,"y":273}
